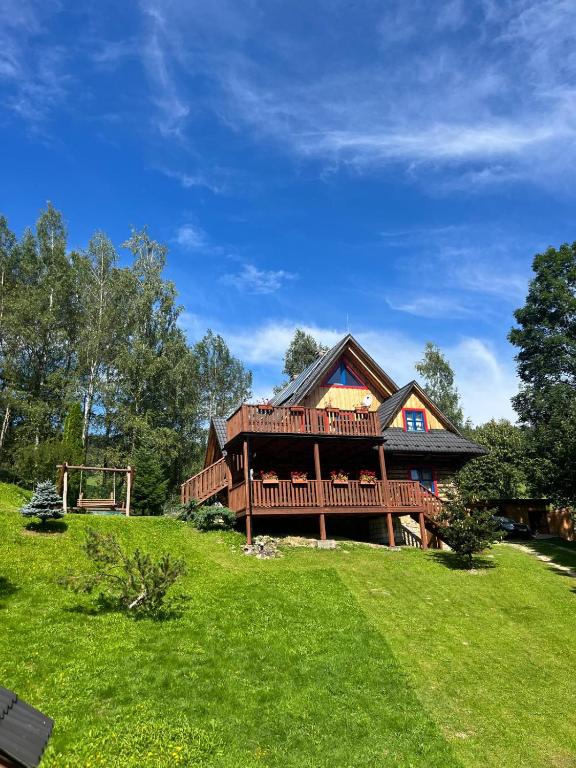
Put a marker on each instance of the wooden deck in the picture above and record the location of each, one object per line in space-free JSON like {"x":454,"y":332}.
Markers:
{"x":302,"y":421}
{"x":397,"y":496}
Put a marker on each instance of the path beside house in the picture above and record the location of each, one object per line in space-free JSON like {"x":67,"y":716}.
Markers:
{"x":565,"y":569}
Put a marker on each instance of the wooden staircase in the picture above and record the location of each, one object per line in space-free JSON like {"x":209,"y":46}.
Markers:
{"x":206,"y":483}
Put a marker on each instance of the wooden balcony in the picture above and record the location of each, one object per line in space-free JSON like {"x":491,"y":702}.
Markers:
{"x":302,"y":421}
{"x":285,"y":497}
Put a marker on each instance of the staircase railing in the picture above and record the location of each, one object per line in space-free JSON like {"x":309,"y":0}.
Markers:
{"x":206,"y":483}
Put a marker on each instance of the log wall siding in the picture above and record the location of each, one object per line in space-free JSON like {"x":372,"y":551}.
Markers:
{"x":398,"y":469}
{"x":346,"y":398}
{"x":415,"y":402}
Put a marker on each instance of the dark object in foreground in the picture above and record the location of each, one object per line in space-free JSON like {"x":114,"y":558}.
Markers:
{"x":24,"y":732}
{"x":513,"y":529}
{"x":134,"y":583}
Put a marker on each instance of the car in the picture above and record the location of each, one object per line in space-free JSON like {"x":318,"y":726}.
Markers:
{"x":512,"y":528}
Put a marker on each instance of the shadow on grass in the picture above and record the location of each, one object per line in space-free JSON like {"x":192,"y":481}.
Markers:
{"x":51,"y":526}
{"x":458,"y":563}
{"x":7,"y":589}
{"x":103,"y":605}
{"x":559,"y":551}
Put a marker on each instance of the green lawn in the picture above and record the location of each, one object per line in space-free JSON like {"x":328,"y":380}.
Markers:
{"x":354,"y":658}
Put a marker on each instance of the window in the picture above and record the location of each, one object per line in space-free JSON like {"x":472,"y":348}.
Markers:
{"x":415,"y":420}
{"x":425,"y":477}
{"x":342,"y":376}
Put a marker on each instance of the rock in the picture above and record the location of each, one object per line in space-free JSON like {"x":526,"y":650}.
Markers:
{"x":326,"y":544}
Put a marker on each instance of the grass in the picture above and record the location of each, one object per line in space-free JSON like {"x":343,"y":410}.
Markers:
{"x":353,"y":658}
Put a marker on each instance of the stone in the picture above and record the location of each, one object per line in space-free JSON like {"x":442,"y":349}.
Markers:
{"x":326,"y":544}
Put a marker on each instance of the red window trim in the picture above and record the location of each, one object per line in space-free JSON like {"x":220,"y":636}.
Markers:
{"x":424,"y":469}
{"x":343,"y":386}
{"x":419,"y":410}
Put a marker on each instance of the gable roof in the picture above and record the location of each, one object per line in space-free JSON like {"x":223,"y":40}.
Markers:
{"x":24,"y":731}
{"x":390,"y":407}
{"x":433,"y":441}
{"x":314,"y":373}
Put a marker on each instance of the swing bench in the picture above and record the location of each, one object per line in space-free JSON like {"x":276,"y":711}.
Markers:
{"x":109,"y":504}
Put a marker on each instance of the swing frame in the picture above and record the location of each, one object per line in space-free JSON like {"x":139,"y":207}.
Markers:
{"x":63,"y":482}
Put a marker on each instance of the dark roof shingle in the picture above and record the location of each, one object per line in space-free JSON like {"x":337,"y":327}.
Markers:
{"x":433,"y":441}
{"x":24,"y":731}
{"x":219,"y":423}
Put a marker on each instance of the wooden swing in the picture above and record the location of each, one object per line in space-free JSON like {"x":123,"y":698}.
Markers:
{"x":92,"y":504}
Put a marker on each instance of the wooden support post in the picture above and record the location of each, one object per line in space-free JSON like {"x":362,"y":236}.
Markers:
{"x":318,"y":475}
{"x":129,"y":478}
{"x":423,"y":531}
{"x":65,"y":487}
{"x":384,"y":477}
{"x":322,"y":527}
{"x":391,"y":541}
{"x":246,"y":456}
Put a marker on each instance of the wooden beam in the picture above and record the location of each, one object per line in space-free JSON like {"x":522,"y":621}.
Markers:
{"x":129,"y":479}
{"x":391,"y":541}
{"x":64,"y":487}
{"x":322,"y":526}
{"x":95,"y":469}
{"x":248,"y":529}
{"x":423,"y":532}
{"x":384,"y":476}
{"x":245,"y":456}
{"x":318,"y":475}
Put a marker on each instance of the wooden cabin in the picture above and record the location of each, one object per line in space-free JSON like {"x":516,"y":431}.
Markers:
{"x":340,"y":443}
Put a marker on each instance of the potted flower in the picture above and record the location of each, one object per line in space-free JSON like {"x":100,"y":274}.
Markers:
{"x":269,"y":477}
{"x":298,"y":477}
{"x":265,"y":407}
{"x":367,"y":477}
{"x":339,"y":477}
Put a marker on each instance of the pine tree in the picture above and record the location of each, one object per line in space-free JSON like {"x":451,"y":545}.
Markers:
{"x":150,"y":484}
{"x":439,"y":383}
{"x":467,"y":531}
{"x":45,"y":504}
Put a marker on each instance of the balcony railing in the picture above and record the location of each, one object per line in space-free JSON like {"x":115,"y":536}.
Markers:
{"x":396,"y":495}
{"x":303,"y":421}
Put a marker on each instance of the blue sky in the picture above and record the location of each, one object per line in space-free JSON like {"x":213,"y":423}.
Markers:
{"x":385,"y":167}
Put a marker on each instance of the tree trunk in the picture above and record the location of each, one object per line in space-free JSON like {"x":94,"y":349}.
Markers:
{"x":5,"y":424}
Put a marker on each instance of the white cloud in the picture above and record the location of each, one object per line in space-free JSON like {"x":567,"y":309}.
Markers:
{"x":261,"y":281}
{"x":190,"y":237}
{"x":434,"y":306}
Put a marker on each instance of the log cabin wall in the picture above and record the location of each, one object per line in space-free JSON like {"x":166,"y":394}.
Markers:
{"x":346,"y":398}
{"x":415,"y":403}
{"x":398,"y":468}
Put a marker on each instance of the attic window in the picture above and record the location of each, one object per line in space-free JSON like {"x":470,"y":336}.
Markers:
{"x":343,"y":376}
{"x":415,"y":420}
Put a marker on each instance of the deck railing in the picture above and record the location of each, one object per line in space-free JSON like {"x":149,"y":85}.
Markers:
{"x":206,"y":483}
{"x":402,"y":494}
{"x":304,"y":421}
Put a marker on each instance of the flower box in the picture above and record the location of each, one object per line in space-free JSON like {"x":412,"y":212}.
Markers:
{"x":265,"y":408}
{"x":339,"y":478}
{"x":269,"y":478}
{"x":299,"y":478}
{"x":362,"y":409}
{"x":367,"y":477}
{"x":296,"y":409}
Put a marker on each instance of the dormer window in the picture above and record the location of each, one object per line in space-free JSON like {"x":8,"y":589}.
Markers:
{"x":415,"y":420}
{"x":343,"y":376}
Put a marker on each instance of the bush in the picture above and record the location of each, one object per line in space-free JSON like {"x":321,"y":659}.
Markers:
{"x":468,"y":531}
{"x":211,"y":518}
{"x":133,"y":583}
{"x":45,"y":503}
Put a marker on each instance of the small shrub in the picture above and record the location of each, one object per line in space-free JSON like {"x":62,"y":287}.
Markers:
{"x":45,"y":503}
{"x":150,"y":484}
{"x":468,"y":531}
{"x":212,"y":518}
{"x":134,"y":583}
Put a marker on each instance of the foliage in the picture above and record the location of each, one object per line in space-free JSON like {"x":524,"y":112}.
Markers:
{"x":45,"y":503}
{"x":367,"y":476}
{"x":507,"y":471}
{"x":297,"y":474}
{"x":136,"y":582}
{"x":546,"y":359}
{"x":150,"y":484}
{"x":213,"y":517}
{"x":334,"y":635}
{"x":439,"y":383}
{"x":302,"y":351}
{"x":268,"y":474}
{"x":467,"y":531}
{"x":339,"y":476}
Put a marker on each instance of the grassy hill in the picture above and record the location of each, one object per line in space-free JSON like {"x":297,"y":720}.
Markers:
{"x":353,"y":658}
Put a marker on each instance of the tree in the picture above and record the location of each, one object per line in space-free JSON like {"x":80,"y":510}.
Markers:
{"x":467,"y":531}
{"x":223,"y":382}
{"x":546,"y":362}
{"x":45,"y":504}
{"x":150,"y":485}
{"x":507,"y":471}
{"x":439,"y":383}
{"x":301,"y":352}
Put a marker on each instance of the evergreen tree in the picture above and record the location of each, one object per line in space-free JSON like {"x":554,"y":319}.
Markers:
{"x":439,"y":383}
{"x":467,"y":531}
{"x":150,"y":483}
{"x":546,"y":342}
{"x":301,"y":352}
{"x":45,"y":504}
